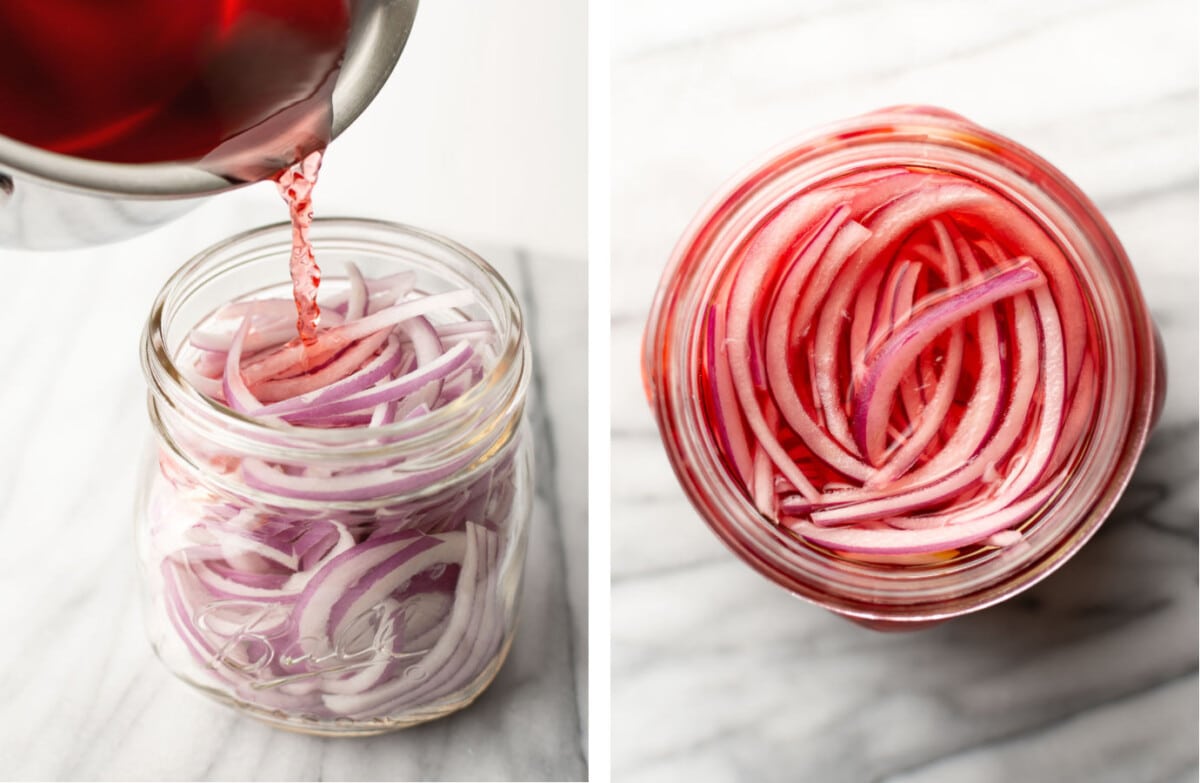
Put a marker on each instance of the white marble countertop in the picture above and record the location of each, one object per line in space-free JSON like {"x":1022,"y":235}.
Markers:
{"x":83,"y":697}
{"x":1091,"y":676}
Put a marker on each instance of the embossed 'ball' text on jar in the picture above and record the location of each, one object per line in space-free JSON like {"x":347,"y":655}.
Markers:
{"x":342,"y":580}
{"x":902,"y":367}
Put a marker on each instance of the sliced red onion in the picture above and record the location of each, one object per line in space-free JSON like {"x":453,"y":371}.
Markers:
{"x":265,"y":333}
{"x":364,"y":608}
{"x":780,"y":361}
{"x":326,"y":588}
{"x":772,"y":243}
{"x":297,"y":355}
{"x":357,"y":296}
{"x":237,"y":394}
{"x":886,"y":366}
{"x":397,"y":388}
{"x":428,"y":347}
{"x":926,"y":539}
{"x":951,"y":472}
{"x":350,"y":362}
{"x":361,"y":371}
{"x":729,"y":420}
{"x":925,"y":347}
{"x":350,"y":487}
{"x":385,"y":413}
{"x":473,"y":603}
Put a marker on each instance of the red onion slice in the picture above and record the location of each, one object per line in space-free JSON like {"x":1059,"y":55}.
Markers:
{"x":233,"y":386}
{"x":886,"y":367}
{"x":404,"y":386}
{"x":473,"y":603}
{"x":332,"y":341}
{"x":361,"y":370}
{"x":350,"y":487}
{"x":357,"y":294}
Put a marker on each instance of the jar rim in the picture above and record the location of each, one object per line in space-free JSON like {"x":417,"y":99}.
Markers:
{"x":508,"y":376}
{"x":705,"y":477}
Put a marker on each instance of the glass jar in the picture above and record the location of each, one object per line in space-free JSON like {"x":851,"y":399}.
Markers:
{"x":321,"y":610}
{"x":891,"y":592}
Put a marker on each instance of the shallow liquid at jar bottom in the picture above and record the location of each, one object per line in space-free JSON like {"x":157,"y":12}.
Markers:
{"x":334,"y":620}
{"x":904,"y":279}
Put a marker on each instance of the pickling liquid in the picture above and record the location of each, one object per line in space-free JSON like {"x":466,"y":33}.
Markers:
{"x":876,"y":355}
{"x":239,"y":87}
{"x":295,"y":185}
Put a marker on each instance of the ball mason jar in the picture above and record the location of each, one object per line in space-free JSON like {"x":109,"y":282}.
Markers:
{"x":323,"y":610}
{"x":872,"y":591}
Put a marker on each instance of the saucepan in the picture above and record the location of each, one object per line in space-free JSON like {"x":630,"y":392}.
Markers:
{"x":55,"y":201}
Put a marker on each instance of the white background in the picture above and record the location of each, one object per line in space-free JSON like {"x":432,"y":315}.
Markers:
{"x":481,"y":131}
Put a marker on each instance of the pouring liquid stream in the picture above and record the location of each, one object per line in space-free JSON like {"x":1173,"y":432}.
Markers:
{"x":240,"y":88}
{"x":295,"y":185}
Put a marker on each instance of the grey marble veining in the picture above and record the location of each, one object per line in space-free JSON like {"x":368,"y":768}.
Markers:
{"x":1090,"y":676}
{"x":81,"y":695}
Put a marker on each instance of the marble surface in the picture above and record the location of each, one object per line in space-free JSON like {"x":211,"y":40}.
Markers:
{"x":83,"y":698}
{"x":1091,"y":676}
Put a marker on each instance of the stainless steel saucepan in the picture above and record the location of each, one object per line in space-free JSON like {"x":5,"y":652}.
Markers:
{"x":51,"y":201}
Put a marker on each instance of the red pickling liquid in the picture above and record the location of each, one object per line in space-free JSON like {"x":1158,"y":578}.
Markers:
{"x":296,"y":185}
{"x":832,"y":377}
{"x":241,"y":87}
{"x":901,"y":466}
{"x":924,"y":372}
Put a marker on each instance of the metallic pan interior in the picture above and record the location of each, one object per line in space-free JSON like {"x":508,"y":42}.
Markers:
{"x":379,"y":30}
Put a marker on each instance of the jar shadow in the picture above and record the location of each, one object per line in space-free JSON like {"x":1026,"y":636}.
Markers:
{"x":1100,"y":657}
{"x":1133,"y":568}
